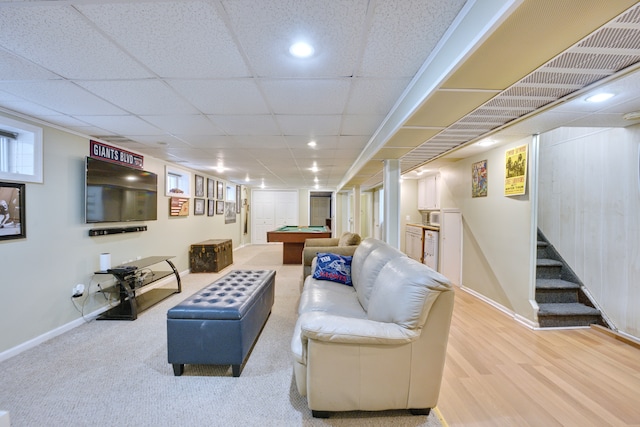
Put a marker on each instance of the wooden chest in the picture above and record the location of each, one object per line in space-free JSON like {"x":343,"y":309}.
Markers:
{"x":210,"y":256}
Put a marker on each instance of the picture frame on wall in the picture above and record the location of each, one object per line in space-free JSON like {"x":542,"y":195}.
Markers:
{"x":479,"y":179}
{"x":198,"y":207}
{"x":211,"y":207}
{"x":219,"y":207}
{"x":12,"y":211}
{"x":178,"y":206}
{"x":220,"y":195}
{"x":211,"y":188}
{"x":199,"y":191}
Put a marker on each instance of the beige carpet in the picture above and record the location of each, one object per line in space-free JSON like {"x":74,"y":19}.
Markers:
{"x":115,"y":373}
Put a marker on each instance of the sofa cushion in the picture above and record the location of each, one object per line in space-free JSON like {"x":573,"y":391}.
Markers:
{"x":333,"y":267}
{"x":319,"y":295}
{"x":404,"y":292}
{"x":370,"y":269}
{"x":360,"y":255}
{"x":349,"y":239}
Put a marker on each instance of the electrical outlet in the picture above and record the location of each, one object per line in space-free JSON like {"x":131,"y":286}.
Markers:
{"x":78,"y":290}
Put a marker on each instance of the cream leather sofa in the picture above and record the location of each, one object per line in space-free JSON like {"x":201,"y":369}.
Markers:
{"x":378,"y":345}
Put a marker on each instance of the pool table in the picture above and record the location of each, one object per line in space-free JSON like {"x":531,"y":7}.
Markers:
{"x":293,"y":237}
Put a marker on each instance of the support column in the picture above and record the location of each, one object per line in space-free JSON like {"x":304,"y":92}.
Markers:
{"x":391,"y":185}
{"x":356,"y":209}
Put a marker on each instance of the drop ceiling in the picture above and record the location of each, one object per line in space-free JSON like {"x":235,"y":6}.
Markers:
{"x":209,"y":83}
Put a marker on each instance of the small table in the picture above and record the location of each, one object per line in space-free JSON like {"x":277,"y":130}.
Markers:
{"x":293,"y":238}
{"x":130,"y":281}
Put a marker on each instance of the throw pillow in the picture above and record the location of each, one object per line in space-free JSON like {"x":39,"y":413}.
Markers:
{"x":349,"y":239}
{"x":333,"y":267}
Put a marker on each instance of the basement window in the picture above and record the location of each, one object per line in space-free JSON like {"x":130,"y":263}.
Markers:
{"x":20,"y":151}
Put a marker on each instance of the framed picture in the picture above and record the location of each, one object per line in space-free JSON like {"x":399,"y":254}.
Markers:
{"x":178,"y":206}
{"x":198,"y":207}
{"x":220,"y":195}
{"x":199,"y":186}
{"x":230,"y":212}
{"x":211,"y":207}
{"x":238,"y":197}
{"x":12,"y":211}
{"x":211,"y":188}
{"x":219,"y":207}
{"x":515,"y":177}
{"x":479,"y":179}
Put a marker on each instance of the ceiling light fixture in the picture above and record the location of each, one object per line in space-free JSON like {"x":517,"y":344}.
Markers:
{"x":301,"y":50}
{"x":599,"y":97}
{"x":633,"y":115}
{"x":312,"y":144}
{"x":487,"y":142}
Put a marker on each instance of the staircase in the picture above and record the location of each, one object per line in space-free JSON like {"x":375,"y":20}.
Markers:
{"x":559,"y":295}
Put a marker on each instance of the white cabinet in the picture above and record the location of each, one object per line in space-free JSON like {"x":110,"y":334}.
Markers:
{"x":413,"y":242}
{"x":429,"y":193}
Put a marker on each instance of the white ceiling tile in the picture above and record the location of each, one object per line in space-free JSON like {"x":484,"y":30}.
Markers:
{"x":174,"y":39}
{"x":122,"y":125}
{"x":229,"y":96}
{"x":208,"y":140}
{"x":13,"y":67}
{"x":309,"y":125}
{"x":322,"y":96}
{"x":59,"y":39}
{"x":334,"y":29}
{"x":375,"y":96}
{"x":141,"y":97}
{"x":403,"y":34}
{"x":268,"y":142}
{"x":360,"y":124}
{"x":61,"y":96}
{"x":247,"y":125}
{"x":184,"y":125}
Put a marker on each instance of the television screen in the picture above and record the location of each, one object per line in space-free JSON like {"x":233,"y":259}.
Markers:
{"x":116,"y":193}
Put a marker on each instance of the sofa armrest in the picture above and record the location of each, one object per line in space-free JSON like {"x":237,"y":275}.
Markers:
{"x":327,"y":327}
{"x":322,"y":241}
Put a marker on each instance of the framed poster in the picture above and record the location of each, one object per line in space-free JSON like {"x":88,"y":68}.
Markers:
{"x":515,"y":175}
{"x":229,"y":212}
{"x":198,"y":207}
{"x":219,"y":207}
{"x":220,"y":195}
{"x":479,"y":179}
{"x":199,"y":192}
{"x":211,"y":207}
{"x":12,"y":211}
{"x":178,"y":206}
{"x":211,"y":188}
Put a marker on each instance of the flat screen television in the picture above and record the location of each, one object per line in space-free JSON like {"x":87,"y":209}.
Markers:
{"x":117,"y":193}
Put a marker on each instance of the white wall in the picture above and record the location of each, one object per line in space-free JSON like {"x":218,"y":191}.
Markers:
{"x":408,"y":208}
{"x":39,"y":272}
{"x":497,"y":247}
{"x":589,"y":208}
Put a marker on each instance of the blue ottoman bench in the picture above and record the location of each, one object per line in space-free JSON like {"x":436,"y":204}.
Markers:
{"x":219,"y":324}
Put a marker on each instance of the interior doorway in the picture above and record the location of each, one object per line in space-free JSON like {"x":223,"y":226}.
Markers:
{"x":321,"y":208}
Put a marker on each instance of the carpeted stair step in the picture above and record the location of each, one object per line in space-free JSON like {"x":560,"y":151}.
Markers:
{"x":566,"y":315}
{"x":542,"y":250}
{"x":556,"y":291}
{"x":548,"y":268}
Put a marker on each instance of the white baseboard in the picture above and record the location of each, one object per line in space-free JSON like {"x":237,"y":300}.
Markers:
{"x":14,"y":351}
{"x":517,"y":317}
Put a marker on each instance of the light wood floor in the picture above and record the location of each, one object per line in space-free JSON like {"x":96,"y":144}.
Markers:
{"x":500,"y":373}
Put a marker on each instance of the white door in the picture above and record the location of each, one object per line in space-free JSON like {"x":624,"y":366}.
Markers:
{"x":262,"y":215}
{"x":451,"y":245}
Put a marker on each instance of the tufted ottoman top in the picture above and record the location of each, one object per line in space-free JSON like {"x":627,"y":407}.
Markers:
{"x":229,"y":297}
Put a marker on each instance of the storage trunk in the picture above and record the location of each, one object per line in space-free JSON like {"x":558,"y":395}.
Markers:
{"x":210,"y":256}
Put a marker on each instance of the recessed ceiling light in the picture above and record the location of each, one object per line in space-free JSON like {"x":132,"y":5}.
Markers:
{"x":599,"y":97}
{"x":486,"y":142}
{"x":311,"y":144}
{"x":301,"y":50}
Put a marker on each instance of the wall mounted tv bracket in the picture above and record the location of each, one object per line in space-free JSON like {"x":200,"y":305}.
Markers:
{"x":116,"y":230}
